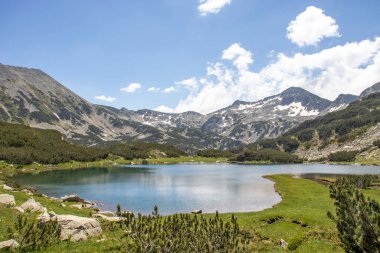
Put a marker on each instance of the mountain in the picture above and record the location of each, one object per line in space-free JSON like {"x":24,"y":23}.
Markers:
{"x":31,"y":97}
{"x":353,"y":129}
{"x":267,"y":118}
{"x":374,"y":88}
{"x":340,"y":103}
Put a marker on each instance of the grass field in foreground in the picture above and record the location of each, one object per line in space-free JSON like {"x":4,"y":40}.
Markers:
{"x":300,"y":219}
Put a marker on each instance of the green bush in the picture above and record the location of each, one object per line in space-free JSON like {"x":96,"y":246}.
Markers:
{"x":343,"y":156}
{"x":295,"y":242}
{"x":271,"y":155}
{"x":357,"y":218}
{"x":182,"y":233}
{"x":33,"y":235}
{"x":215,"y":153}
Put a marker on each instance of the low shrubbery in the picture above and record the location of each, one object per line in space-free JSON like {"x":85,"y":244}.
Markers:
{"x":357,"y":218}
{"x":215,"y":153}
{"x":271,"y":155}
{"x":34,"y":235}
{"x":343,"y":156}
{"x":181,"y":233}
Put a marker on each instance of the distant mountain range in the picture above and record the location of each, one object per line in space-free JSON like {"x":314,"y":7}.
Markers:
{"x":31,"y":97}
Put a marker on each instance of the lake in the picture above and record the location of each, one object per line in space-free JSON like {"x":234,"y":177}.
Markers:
{"x":180,"y":187}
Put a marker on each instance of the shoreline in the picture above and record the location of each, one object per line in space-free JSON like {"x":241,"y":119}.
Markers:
{"x":98,"y":205}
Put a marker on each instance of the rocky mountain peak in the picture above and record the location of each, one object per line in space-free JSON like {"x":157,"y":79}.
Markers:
{"x":374,"y":88}
{"x":345,"y":99}
{"x":307,"y":99}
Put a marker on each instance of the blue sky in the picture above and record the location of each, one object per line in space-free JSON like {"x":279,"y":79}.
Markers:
{"x":98,"y":48}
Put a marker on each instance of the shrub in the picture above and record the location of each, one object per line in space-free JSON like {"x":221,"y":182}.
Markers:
{"x":267,"y":155}
{"x":32,"y":235}
{"x":357,"y":218}
{"x":182,"y":233}
{"x":295,"y":242}
{"x":343,"y":156}
{"x":215,"y":153}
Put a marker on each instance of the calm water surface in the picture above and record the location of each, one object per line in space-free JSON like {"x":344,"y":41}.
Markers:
{"x":179,"y":188}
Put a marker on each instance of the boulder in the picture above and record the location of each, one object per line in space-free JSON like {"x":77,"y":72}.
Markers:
{"x":63,"y":205}
{"x":107,"y":213}
{"x":81,"y":206}
{"x":7,"y":200}
{"x":197,"y":212}
{"x":8,"y":188}
{"x":72,"y":198}
{"x":77,"y":206}
{"x":19,"y":209}
{"x":33,"y":206}
{"x":108,"y":218}
{"x":283,"y":244}
{"x":27,"y":192}
{"x":78,"y":228}
{"x":10,"y":244}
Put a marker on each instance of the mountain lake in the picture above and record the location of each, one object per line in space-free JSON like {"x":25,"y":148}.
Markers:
{"x":180,"y":187}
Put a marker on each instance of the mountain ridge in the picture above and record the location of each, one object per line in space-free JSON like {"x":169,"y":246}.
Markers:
{"x":32,"y":97}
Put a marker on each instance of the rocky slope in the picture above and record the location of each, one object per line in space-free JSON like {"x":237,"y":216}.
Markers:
{"x":30,"y":96}
{"x":355,"y":128}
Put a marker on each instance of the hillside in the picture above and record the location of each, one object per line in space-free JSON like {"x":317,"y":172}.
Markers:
{"x":355,"y":128}
{"x":21,"y":144}
{"x":31,"y":97}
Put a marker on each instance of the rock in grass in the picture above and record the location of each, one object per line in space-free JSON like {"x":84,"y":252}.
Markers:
{"x":107,"y":213}
{"x":10,"y":244}
{"x":283,"y":244}
{"x":108,"y":218}
{"x":78,"y":228}
{"x":77,"y":206}
{"x":27,"y":192}
{"x":82,"y":206}
{"x":72,"y":198}
{"x":8,"y":188}
{"x":7,"y":200}
{"x":74,"y":228}
{"x":32,"y":206}
{"x":19,"y":209}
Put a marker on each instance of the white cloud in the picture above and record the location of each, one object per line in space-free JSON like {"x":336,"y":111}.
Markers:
{"x":154,"y":89}
{"x":311,"y":26}
{"x":131,"y":88}
{"x":348,"y":68}
{"x":190,"y":83}
{"x":169,"y":89}
{"x":211,"y":6}
{"x":105,"y":98}
{"x":166,"y":90}
{"x":163,"y":108}
{"x":240,"y":57}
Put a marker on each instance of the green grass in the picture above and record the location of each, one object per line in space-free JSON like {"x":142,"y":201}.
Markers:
{"x":300,"y":215}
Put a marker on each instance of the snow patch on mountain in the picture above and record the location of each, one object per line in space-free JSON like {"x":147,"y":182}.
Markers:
{"x":296,"y":109}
